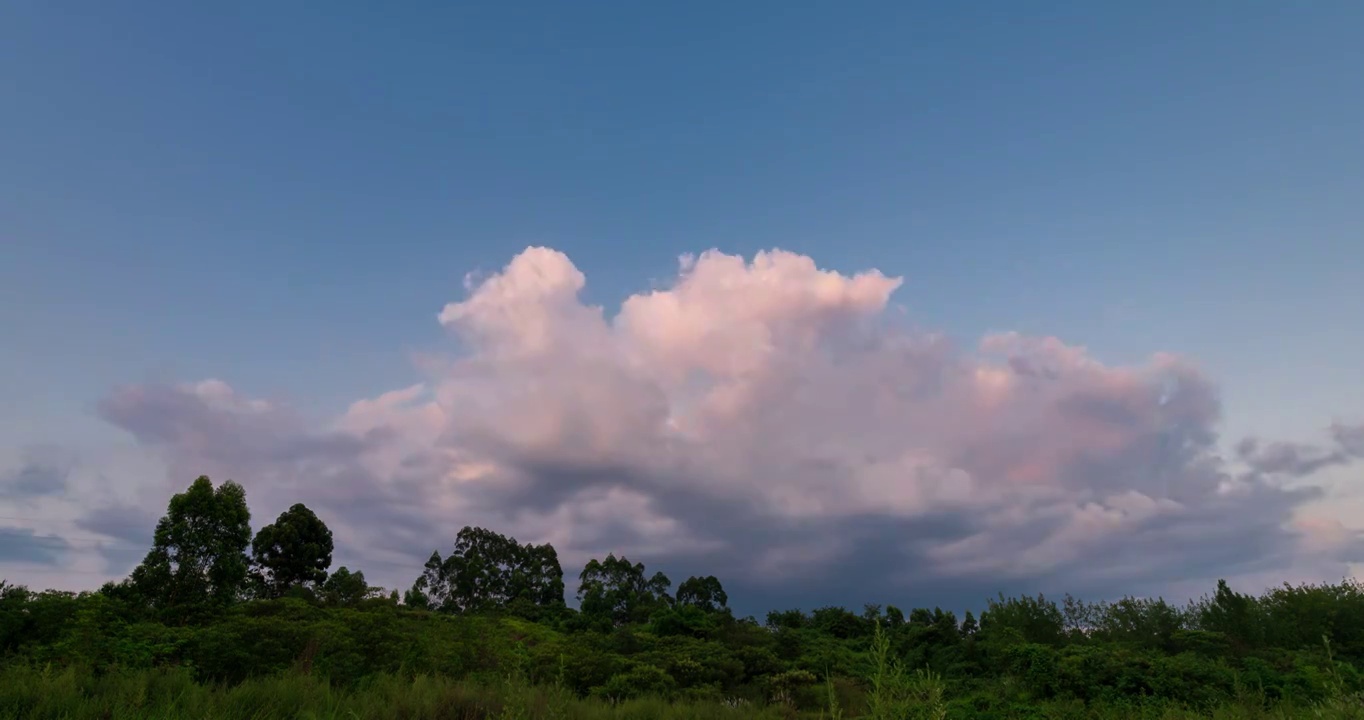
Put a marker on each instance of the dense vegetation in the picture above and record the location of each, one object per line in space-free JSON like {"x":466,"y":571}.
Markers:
{"x":217,"y":624}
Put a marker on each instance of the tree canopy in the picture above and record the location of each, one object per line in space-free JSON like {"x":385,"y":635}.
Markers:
{"x":618,"y":591}
{"x":198,"y":552}
{"x":489,"y":571}
{"x":294,"y":551}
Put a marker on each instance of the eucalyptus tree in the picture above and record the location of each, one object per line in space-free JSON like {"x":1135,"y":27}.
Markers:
{"x":198,"y":553}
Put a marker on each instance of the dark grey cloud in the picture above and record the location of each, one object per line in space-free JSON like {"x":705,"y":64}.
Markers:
{"x":1287,"y":459}
{"x":1297,"y":460}
{"x":129,"y":528}
{"x":22,"y":545}
{"x":128,"y":523}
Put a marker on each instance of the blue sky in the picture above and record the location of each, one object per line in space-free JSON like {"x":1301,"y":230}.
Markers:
{"x":284,"y":199}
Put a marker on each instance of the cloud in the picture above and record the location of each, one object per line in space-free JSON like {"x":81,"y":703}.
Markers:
{"x":22,"y":545}
{"x":130,"y":529}
{"x":43,"y":472}
{"x":1296,"y":460}
{"x":770,"y":422}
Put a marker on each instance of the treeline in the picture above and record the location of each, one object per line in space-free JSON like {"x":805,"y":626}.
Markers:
{"x":231,"y":606}
{"x":204,"y":559}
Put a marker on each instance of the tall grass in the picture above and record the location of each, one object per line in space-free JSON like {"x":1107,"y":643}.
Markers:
{"x":45,"y":693}
{"x":896,"y":694}
{"x":172,"y":694}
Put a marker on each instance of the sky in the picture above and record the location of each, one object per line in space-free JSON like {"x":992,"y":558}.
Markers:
{"x":841,"y":302}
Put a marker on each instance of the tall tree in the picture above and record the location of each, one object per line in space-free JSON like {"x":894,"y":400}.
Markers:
{"x":1034,"y":619}
{"x":294,"y":551}
{"x":1234,"y":615}
{"x":198,"y":552}
{"x":488,"y":571}
{"x":969,"y":626}
{"x":704,"y":593}
{"x":616,"y":589}
{"x":1139,"y":621}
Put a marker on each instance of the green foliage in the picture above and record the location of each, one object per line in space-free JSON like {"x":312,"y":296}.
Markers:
{"x":484,"y":634}
{"x":343,"y":648}
{"x":490,"y":572}
{"x":639,"y":681}
{"x":1035,"y":620}
{"x":74,"y":694}
{"x":294,"y":551}
{"x":198,"y":554}
{"x":838,"y":622}
{"x":835,"y":707}
{"x":347,"y":588}
{"x":1237,"y":617}
{"x":703,"y":593}
{"x":617,"y":592}
{"x":790,"y":687}
{"x":687,"y":620}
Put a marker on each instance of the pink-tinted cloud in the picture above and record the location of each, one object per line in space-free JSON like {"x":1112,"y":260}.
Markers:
{"x":768,"y":421}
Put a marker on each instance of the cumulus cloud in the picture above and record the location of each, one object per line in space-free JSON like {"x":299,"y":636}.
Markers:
{"x":768,"y":421}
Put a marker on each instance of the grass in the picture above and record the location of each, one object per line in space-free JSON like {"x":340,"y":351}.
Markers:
{"x":172,"y":694}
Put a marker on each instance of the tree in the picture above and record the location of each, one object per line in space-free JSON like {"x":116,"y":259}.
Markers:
{"x":487,"y":571}
{"x":969,"y":625}
{"x":704,"y":593}
{"x":14,"y":622}
{"x":1234,"y":615}
{"x":794,"y":619}
{"x":617,"y":590}
{"x":294,"y":551}
{"x":198,"y":553}
{"x":1138,"y":621}
{"x":1034,"y":619}
{"x":839,"y":622}
{"x":346,"y":588}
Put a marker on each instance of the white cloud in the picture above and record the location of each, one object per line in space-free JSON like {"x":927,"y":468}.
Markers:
{"x":768,"y":422}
